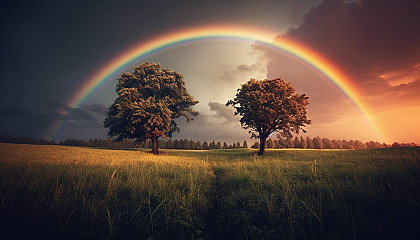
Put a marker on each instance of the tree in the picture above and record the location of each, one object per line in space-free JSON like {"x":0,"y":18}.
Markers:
{"x":269,"y":143}
{"x":245,"y":144}
{"x":205,"y":145}
{"x":372,"y":144}
{"x":169,"y":144}
{"x":282,"y":142}
{"x":359,"y":145}
{"x":351,"y":143}
{"x":185,"y":144}
{"x":347,"y":145}
{"x":290,"y":143}
{"x":198,"y":145}
{"x":276,"y":144}
{"x":303,"y":143}
{"x":192,"y":145}
{"x":266,"y":106}
{"x":317,"y":143}
{"x":149,"y":99}
{"x":176,"y":144}
{"x":337,"y":144}
{"x":309,"y":143}
{"x":161,"y":145}
{"x":327,"y":144}
{"x":212,"y":145}
{"x":296,"y":143}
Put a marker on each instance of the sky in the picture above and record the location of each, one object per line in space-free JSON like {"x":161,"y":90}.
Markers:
{"x":50,"y":49}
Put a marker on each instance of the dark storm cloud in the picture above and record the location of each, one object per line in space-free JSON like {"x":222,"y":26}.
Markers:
{"x":84,"y":122}
{"x":206,"y":128}
{"x":97,"y":108}
{"x":49,"y":48}
{"x":223,"y":112}
{"x":366,"y":38}
{"x":246,"y":68}
{"x":29,"y":121}
{"x":370,"y":35}
{"x":231,"y":75}
{"x":220,"y":125}
{"x":36,"y":121}
{"x":80,"y":114}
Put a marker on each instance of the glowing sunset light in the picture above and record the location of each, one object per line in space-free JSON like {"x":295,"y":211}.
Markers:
{"x":182,"y":37}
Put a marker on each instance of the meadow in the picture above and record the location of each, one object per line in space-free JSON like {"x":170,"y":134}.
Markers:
{"x":59,"y":192}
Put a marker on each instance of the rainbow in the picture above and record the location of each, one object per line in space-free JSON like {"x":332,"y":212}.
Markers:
{"x":217,"y":32}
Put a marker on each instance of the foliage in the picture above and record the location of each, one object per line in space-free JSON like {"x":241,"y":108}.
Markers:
{"x":266,"y":106}
{"x":25,"y":140}
{"x":149,"y":99}
{"x":317,"y":143}
{"x":304,"y":143}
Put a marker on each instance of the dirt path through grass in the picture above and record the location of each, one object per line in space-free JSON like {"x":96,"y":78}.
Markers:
{"x":214,"y":219}
{"x":223,"y":220}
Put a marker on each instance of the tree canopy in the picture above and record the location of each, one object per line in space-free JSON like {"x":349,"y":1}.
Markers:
{"x":270,"y":105}
{"x":149,"y":99}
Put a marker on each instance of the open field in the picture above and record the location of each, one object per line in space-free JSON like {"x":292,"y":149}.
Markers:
{"x":56,"y":192}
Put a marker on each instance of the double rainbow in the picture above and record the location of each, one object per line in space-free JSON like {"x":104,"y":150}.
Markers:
{"x":217,"y":32}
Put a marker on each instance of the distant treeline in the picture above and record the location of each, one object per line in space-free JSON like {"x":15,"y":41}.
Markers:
{"x":325,"y":143}
{"x":297,"y":142}
{"x":25,"y":140}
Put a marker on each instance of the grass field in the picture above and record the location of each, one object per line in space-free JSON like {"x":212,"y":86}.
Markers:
{"x":58,"y":192}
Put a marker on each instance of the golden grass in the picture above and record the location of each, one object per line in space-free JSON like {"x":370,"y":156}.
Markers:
{"x":288,"y":193}
{"x":86,"y":156}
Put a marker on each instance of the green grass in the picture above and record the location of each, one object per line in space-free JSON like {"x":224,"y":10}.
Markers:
{"x":57,"y":192}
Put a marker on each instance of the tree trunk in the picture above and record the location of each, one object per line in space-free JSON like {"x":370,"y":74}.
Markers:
{"x":155,"y":149}
{"x":263,"y":140}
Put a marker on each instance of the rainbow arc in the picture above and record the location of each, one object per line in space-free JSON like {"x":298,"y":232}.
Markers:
{"x":182,"y":37}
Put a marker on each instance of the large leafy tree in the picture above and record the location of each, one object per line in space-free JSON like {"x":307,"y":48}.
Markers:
{"x":149,"y":99}
{"x":266,"y":106}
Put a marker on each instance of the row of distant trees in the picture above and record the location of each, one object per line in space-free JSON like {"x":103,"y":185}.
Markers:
{"x":325,"y":143}
{"x":26,"y":140}
{"x":168,"y":144}
{"x":297,"y":142}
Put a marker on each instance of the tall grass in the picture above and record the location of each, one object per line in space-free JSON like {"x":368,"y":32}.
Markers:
{"x":342,"y":194}
{"x":87,"y":193}
{"x":68,"y":192}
